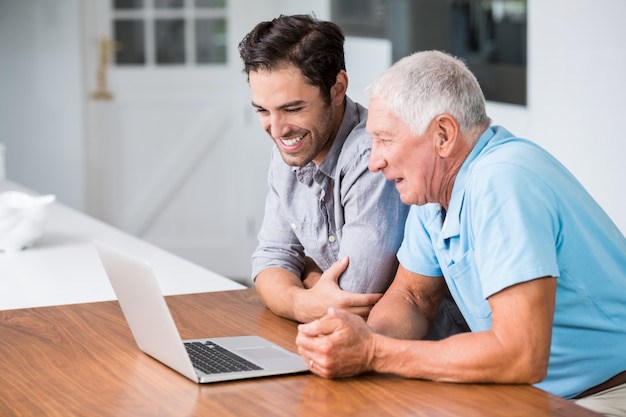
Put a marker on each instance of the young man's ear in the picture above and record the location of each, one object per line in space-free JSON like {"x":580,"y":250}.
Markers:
{"x":339,"y":89}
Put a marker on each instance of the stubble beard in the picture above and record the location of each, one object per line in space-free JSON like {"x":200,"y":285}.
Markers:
{"x":317,"y":140}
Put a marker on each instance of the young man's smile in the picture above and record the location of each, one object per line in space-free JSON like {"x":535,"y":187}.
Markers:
{"x":294,"y":114}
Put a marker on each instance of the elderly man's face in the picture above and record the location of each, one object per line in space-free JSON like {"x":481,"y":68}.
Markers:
{"x":401,"y":156}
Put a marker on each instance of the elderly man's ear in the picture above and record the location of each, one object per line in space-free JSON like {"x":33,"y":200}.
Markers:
{"x":446,"y":134}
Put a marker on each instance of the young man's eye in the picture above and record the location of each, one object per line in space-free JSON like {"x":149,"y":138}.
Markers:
{"x":293,"y":109}
{"x":260,"y":110}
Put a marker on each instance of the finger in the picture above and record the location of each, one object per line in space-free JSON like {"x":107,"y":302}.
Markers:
{"x":311,"y":329}
{"x":362,"y":312}
{"x":304,"y":346}
{"x":307,"y":345}
{"x":316,"y":328}
{"x":360,"y":300}
{"x":307,"y":330}
{"x":345,"y":316}
{"x":336,"y":269}
{"x":323,"y":326}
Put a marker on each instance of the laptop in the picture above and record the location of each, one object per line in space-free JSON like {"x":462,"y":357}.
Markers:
{"x":155,"y":332}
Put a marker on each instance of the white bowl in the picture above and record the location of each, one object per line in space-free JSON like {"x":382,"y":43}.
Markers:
{"x":22,"y":219}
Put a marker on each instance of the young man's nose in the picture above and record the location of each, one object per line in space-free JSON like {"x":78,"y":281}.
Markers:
{"x":277,"y":126}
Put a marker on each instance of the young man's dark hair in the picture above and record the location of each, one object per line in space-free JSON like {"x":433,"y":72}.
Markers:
{"x":313,"y":46}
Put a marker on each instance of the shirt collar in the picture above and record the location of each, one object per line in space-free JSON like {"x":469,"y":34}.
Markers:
{"x":451,"y":226}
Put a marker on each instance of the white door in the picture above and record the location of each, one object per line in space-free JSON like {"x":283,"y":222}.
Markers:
{"x":176,"y":155}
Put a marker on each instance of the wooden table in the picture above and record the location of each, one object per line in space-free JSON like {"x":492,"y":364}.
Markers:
{"x":81,"y":360}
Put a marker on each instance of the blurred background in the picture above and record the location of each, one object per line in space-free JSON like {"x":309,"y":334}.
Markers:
{"x":137,"y":112}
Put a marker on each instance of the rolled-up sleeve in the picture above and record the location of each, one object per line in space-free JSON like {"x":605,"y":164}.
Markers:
{"x":278,"y":244}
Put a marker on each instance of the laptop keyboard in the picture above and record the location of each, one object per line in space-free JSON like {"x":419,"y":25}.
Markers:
{"x":214,"y":359}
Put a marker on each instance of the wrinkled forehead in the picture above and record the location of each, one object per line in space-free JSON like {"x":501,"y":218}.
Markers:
{"x":379,"y":119}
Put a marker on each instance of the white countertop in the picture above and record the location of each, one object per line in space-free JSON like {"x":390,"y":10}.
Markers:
{"x":62,"y":267}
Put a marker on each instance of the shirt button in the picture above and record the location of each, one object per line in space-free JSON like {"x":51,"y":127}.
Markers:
{"x":331,"y":238}
{"x":294,"y":226}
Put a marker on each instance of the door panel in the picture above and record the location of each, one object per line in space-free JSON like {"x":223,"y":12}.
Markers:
{"x":176,"y":155}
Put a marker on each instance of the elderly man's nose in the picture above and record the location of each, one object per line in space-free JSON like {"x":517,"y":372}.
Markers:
{"x":376,"y":161}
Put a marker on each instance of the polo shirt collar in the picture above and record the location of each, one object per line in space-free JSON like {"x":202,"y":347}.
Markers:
{"x":451,"y":226}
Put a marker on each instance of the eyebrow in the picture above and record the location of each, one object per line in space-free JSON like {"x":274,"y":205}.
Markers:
{"x":378,"y":133}
{"x":294,"y":103}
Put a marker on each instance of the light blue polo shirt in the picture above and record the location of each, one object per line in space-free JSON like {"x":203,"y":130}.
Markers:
{"x":516,"y":214}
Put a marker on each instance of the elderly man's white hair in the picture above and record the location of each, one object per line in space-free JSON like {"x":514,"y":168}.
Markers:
{"x":426,"y":84}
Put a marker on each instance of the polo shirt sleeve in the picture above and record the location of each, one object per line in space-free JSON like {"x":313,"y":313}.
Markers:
{"x":514,"y":223}
{"x":416,"y":254}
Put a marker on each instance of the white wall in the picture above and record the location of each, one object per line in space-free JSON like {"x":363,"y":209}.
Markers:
{"x":2,"y":163}
{"x":41,"y":96}
{"x":576,"y":91}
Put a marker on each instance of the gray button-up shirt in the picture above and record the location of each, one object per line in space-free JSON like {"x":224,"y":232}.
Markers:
{"x":337,"y":209}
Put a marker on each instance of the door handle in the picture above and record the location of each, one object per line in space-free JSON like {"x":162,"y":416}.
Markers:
{"x":106,"y":46}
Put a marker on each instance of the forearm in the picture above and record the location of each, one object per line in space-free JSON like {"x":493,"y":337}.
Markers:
{"x":467,"y":358}
{"x":408,"y":307}
{"x":396,"y":316}
{"x":279,"y":288}
{"x":516,"y":349}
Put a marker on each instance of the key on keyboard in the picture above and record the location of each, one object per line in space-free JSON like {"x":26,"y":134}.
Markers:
{"x":213,"y":359}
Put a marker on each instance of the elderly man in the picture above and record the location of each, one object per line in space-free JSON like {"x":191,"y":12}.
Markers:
{"x":535,"y":265}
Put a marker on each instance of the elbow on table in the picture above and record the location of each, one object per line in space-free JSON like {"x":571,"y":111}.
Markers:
{"x":538,"y":374}
{"x":531,"y":371}
{"x":526,"y":363}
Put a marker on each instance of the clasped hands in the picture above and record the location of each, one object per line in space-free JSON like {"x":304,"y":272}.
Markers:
{"x":340,"y":343}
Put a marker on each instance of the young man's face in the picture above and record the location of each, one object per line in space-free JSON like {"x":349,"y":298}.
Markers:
{"x":294,"y":114}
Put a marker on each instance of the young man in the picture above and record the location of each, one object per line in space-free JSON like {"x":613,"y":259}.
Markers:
{"x":535,"y":265}
{"x":323,"y":202}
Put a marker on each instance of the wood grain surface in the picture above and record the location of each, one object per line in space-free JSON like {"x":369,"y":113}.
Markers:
{"x":81,"y":360}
